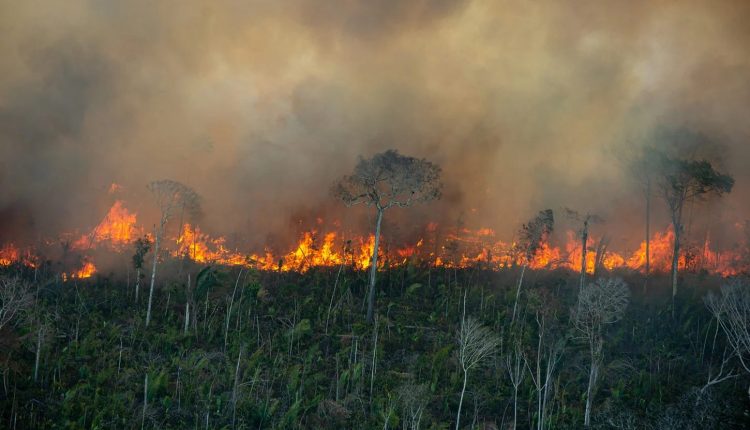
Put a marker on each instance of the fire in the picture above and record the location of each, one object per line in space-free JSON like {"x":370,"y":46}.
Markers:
{"x":118,"y":229}
{"x":457,"y":248}
{"x":86,"y":271}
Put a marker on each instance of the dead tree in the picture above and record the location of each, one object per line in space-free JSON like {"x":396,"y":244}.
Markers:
{"x":586,"y":220}
{"x":599,"y":304}
{"x":731,"y":307}
{"x":644,"y":168}
{"x":476,"y":343}
{"x":532,"y":235}
{"x":683,"y":181}
{"x":142,"y":246}
{"x":170,"y":196}
{"x":15,"y":298}
{"x":413,"y":399}
{"x":387,"y":180}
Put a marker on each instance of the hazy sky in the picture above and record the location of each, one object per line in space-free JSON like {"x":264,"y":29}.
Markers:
{"x":260,"y":105}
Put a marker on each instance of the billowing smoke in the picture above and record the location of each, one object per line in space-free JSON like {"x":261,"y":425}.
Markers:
{"x":260,"y":105}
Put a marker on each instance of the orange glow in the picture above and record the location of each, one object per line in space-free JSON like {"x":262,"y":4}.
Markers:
{"x":448,"y":248}
{"x":117,"y":229}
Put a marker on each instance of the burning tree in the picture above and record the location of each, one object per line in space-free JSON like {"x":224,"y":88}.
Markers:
{"x":386,"y":180}
{"x":683,"y":181}
{"x":170,"y":197}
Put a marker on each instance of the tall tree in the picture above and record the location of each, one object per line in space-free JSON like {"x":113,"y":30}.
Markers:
{"x":476,"y":343}
{"x":599,"y":304}
{"x":170,"y":196}
{"x":531,"y":236}
{"x":682,"y":181}
{"x":644,"y":168}
{"x":387,"y":180}
{"x":583,"y":233}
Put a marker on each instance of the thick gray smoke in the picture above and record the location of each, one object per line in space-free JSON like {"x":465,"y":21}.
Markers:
{"x":260,"y":105}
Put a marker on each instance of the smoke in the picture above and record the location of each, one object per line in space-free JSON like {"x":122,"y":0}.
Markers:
{"x":261,"y":105}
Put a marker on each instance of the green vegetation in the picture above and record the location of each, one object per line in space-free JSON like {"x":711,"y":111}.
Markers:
{"x":286,"y":350}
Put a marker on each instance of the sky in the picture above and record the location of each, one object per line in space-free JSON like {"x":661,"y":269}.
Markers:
{"x":261,"y":105}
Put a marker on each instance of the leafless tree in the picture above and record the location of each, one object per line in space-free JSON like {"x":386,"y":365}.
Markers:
{"x":413,"y":401}
{"x":531,"y":236}
{"x":599,"y":304}
{"x":542,"y":373}
{"x":387,"y":180}
{"x":644,"y":168}
{"x":683,"y":181}
{"x":476,"y":343}
{"x":586,"y":220}
{"x":731,"y":307}
{"x":15,"y":297}
{"x":514,"y":365}
{"x":170,"y":197}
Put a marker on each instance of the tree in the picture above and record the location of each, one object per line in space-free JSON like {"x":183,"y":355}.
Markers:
{"x":475,"y":344}
{"x":387,"y":180}
{"x":732,"y":311}
{"x":586,"y":220}
{"x":413,"y":399}
{"x":142,"y":245}
{"x":15,"y":298}
{"x":644,"y":168}
{"x":600,"y":303}
{"x":532,"y":235}
{"x":170,"y":196}
{"x":683,"y":181}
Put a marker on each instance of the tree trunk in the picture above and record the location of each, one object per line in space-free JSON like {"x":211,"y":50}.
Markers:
{"x":518,"y":292}
{"x":153,"y":271}
{"x":374,"y":270}
{"x":145,"y":401}
{"x":38,"y":353}
{"x":593,"y":375}
{"x":675,"y":256}
{"x":648,"y":232}
{"x":584,"y":242}
{"x":137,"y":282}
{"x":461,"y":401}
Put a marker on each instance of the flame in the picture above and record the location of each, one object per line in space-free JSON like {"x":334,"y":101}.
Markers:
{"x":451,"y":248}
{"x":117,"y":229}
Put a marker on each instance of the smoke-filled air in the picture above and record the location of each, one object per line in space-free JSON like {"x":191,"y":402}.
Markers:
{"x":463,"y":214}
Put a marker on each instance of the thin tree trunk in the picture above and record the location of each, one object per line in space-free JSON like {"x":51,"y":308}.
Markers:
{"x":593,"y":375}
{"x":518,"y":292}
{"x":153,"y":271}
{"x":234,"y":389}
{"x":145,"y":401}
{"x":675,"y":257}
{"x":137,"y":282}
{"x":648,"y":232}
{"x":584,"y":242}
{"x":38,"y":353}
{"x":187,"y":318}
{"x":461,"y":401}
{"x":374,"y":270}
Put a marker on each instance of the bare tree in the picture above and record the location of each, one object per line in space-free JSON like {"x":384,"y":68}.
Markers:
{"x":476,"y":343}
{"x":586,"y":220}
{"x":531,"y":236}
{"x":413,"y":401}
{"x":542,"y":374}
{"x":644,"y":168}
{"x":386,"y":180}
{"x":683,"y":181}
{"x":170,"y":196}
{"x":599,"y":304}
{"x":514,"y":364}
{"x":142,"y":245}
{"x":15,"y":297}
{"x":731,"y":307}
